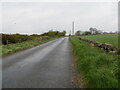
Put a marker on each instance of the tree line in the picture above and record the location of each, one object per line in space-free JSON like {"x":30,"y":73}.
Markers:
{"x":54,"y":33}
{"x":91,"y":31}
{"x":18,"y":38}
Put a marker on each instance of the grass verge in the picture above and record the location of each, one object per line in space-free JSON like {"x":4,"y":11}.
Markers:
{"x":12,"y":48}
{"x":99,"y":69}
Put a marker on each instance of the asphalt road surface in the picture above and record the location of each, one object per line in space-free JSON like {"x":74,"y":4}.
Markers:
{"x":44,"y":66}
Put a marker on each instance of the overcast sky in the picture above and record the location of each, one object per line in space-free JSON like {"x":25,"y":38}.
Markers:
{"x":39,"y":17}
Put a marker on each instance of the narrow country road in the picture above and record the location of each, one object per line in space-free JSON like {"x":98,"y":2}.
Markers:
{"x":44,"y":66}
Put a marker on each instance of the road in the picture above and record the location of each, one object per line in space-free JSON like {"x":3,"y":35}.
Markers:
{"x":44,"y":66}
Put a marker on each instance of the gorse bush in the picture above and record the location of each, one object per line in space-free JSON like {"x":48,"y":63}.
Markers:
{"x":15,"y":38}
{"x":18,"y":38}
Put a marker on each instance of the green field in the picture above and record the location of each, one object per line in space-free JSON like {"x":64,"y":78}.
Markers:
{"x":12,"y":48}
{"x":100,"y":69}
{"x":106,"y":38}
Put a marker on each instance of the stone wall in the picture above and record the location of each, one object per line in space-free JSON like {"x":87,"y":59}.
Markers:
{"x":106,"y":47}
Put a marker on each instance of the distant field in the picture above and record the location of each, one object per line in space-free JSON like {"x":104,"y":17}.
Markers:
{"x":106,"y":38}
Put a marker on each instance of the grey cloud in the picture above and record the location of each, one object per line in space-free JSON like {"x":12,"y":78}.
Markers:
{"x":28,"y":17}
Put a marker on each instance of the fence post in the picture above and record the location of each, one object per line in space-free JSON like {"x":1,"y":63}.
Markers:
{"x":7,"y":42}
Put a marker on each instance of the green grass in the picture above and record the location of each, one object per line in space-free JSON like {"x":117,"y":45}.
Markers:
{"x":107,"y":38}
{"x":98,"y":67}
{"x":12,"y":48}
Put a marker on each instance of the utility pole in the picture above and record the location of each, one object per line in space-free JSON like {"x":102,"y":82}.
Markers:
{"x":73,"y":28}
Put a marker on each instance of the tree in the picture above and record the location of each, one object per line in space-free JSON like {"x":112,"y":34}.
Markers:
{"x":91,"y":30}
{"x":94,"y":31}
{"x":78,"y":33}
{"x":87,"y":33}
{"x":64,"y":33}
